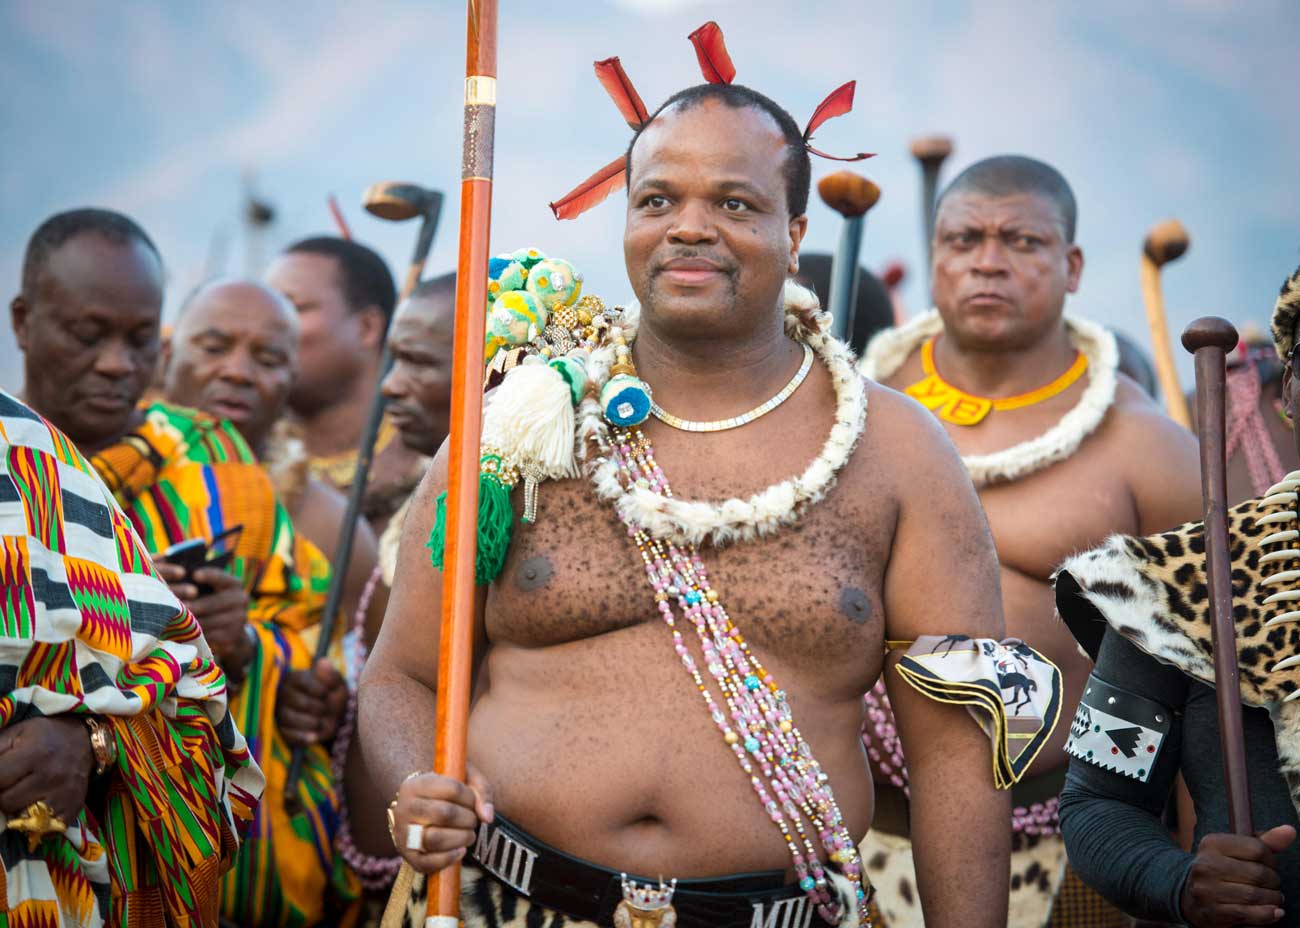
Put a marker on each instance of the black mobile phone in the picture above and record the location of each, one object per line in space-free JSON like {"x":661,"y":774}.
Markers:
{"x":195,"y":553}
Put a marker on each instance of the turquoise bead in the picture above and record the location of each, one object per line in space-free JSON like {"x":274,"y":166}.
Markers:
{"x":807,"y":884}
{"x":751,"y":745}
{"x":752,"y":683}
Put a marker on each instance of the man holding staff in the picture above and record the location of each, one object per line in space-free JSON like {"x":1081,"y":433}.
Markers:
{"x":1045,"y":424}
{"x":1139,"y":606}
{"x":594,"y":767}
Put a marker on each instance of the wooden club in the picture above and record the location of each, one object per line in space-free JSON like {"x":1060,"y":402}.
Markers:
{"x":1210,"y":339}
{"x":852,"y":196}
{"x":1167,"y":241}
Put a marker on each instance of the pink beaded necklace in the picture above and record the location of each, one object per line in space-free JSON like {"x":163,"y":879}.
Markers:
{"x":756,"y":722}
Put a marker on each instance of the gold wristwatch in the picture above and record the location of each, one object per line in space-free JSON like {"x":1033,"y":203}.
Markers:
{"x":102,"y":743}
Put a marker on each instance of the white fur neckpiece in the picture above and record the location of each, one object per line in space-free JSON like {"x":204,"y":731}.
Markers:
{"x":891,"y":348}
{"x":690,"y":522}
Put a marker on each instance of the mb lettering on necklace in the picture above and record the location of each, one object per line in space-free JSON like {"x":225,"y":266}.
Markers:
{"x":735,"y":422}
{"x":952,"y":404}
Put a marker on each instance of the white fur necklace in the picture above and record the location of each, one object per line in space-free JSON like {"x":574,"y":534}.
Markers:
{"x":890,"y":349}
{"x":693,"y":522}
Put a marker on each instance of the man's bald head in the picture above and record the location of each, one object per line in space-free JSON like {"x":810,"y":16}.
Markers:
{"x":233,"y":354}
{"x":1010,"y":175}
{"x":419,"y":385}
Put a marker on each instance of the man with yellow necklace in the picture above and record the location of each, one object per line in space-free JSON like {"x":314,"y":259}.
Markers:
{"x":665,"y":724}
{"x":1064,"y":451}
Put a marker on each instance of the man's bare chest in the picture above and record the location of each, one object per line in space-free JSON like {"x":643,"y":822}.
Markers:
{"x":811,"y":591}
{"x":1040,"y":520}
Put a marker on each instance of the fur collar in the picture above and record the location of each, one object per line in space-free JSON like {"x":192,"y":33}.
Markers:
{"x":892,"y":347}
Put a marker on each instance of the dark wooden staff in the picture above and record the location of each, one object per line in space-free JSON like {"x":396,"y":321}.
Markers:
{"x":851,"y":195}
{"x":1210,"y":339}
{"x":930,"y":151}
{"x":396,"y":202}
{"x":456,"y":641}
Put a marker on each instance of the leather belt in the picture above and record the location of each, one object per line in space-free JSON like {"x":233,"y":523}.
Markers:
{"x":583,"y":890}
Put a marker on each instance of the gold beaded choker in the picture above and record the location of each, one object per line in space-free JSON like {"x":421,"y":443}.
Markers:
{"x":735,"y":422}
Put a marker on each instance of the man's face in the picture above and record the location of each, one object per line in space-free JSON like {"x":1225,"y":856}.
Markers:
{"x":90,"y":338}
{"x":1002,"y":268}
{"x":233,"y":356}
{"x":333,"y":340}
{"x":418,"y":386}
{"x":708,"y":241}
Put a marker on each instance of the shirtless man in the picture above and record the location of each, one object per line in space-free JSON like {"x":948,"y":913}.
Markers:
{"x":418,"y":386}
{"x":585,"y":731}
{"x":344,"y":295}
{"x":1004,"y":260}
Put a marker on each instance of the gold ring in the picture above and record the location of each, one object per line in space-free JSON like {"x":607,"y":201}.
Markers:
{"x":38,"y":820}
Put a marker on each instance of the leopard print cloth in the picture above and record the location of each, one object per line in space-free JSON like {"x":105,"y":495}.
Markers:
{"x":1154,"y":592}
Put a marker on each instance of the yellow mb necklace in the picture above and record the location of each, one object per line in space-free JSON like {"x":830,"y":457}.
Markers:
{"x":961,"y":408}
{"x":735,"y":422}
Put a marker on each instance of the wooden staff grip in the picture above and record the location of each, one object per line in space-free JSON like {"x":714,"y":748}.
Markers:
{"x":1210,"y":339}
{"x":1166,"y":373}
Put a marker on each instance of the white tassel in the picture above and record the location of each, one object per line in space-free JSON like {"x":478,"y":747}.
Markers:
{"x":530,"y":420}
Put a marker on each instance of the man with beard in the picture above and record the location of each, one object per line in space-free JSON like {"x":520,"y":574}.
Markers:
{"x":344,"y":295}
{"x":418,"y":386}
{"x":600,"y":738}
{"x":87,"y":321}
{"x":1063,"y":449}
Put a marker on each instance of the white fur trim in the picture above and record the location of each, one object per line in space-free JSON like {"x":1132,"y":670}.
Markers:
{"x":890,"y":349}
{"x":529,"y":419}
{"x":686,"y":522}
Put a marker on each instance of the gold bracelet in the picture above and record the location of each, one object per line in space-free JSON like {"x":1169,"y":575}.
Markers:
{"x":102,"y":744}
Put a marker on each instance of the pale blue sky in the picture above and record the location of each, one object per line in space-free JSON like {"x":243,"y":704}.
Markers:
{"x":1162,"y":108}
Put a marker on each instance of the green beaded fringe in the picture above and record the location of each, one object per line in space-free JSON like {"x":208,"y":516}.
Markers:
{"x":496,"y":522}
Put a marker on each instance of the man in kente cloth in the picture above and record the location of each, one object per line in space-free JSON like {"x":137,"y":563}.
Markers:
{"x":637,"y":643}
{"x":1064,"y":451}
{"x":344,"y":294}
{"x":87,"y":321}
{"x":124,"y":782}
{"x":1140,"y":607}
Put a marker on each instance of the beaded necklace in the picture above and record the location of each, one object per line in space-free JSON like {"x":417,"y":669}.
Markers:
{"x":756,"y":721}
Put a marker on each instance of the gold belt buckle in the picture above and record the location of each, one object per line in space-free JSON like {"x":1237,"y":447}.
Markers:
{"x":646,"y":905}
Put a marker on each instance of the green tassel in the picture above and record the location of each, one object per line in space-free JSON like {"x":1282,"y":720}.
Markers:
{"x":496,"y":523}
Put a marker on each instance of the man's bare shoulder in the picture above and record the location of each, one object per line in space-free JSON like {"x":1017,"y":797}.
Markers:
{"x":901,"y":428}
{"x":904,"y":447}
{"x":1137,"y":422}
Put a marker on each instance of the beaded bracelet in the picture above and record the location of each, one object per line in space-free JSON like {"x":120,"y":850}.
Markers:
{"x":375,"y":873}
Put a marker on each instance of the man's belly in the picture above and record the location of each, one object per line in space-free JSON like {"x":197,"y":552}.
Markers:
{"x":1030,"y":611}
{"x":604,"y":749}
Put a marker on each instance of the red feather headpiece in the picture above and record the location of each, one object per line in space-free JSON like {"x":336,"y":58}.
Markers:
{"x":717,"y":68}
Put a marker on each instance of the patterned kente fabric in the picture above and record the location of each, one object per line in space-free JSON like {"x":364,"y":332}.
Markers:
{"x":87,"y":627}
{"x":1154,"y":592}
{"x":183,"y":474}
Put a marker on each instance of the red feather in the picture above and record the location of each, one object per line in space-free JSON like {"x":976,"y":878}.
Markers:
{"x":710,"y":48}
{"x":591,"y":191}
{"x":860,"y":156}
{"x":614,"y":79}
{"x":839,"y":102}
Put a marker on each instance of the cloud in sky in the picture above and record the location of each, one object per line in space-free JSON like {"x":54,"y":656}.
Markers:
{"x":1174,"y":107}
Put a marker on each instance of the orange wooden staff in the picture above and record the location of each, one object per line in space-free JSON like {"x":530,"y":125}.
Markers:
{"x":456,"y":644}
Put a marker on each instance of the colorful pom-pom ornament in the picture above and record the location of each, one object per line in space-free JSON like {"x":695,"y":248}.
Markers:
{"x":504,"y":275}
{"x":516,"y":318}
{"x":528,"y":257}
{"x":574,"y":372}
{"x":625,"y":400}
{"x":555,"y":283}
